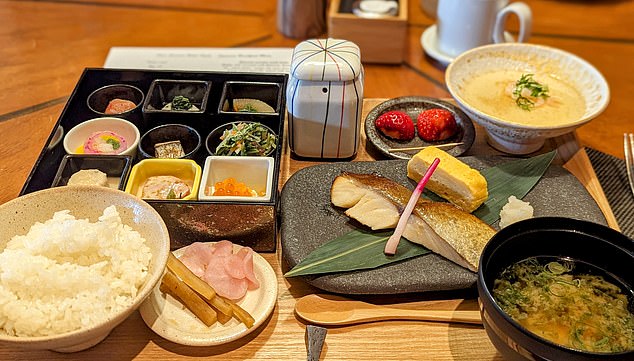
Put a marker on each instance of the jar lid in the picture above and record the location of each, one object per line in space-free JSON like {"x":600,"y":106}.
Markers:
{"x":326,"y":60}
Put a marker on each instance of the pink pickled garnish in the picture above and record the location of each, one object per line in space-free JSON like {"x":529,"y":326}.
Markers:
{"x":105,"y":142}
{"x":392,"y":243}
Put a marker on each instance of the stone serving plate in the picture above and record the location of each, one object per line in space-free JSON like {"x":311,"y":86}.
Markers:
{"x":414,"y":105}
{"x":308,"y":219}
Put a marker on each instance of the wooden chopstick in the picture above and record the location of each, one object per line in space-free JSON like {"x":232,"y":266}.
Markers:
{"x":423,"y":147}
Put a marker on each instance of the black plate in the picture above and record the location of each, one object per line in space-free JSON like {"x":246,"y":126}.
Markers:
{"x":413,"y":106}
{"x":308,"y":220}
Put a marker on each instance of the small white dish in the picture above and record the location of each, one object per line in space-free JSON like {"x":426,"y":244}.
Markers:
{"x":375,"y":9}
{"x":429,"y":41}
{"x":255,"y":172}
{"x":171,"y":320}
{"x":75,"y":138}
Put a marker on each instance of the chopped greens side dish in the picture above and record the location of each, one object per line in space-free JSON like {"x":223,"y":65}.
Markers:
{"x":247,"y":139}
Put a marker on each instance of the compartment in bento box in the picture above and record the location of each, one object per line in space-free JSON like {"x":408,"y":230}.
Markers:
{"x":163,"y":96}
{"x":237,"y":179}
{"x":250,"y":98}
{"x":242,"y":138}
{"x":176,"y":100}
{"x":116,"y":100}
{"x":247,"y":223}
{"x":115,"y":167}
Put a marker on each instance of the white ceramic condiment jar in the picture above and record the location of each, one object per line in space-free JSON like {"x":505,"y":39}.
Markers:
{"x":324,"y":99}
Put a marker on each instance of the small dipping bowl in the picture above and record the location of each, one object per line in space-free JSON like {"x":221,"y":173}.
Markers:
{"x":189,"y":138}
{"x":581,"y":241}
{"x":213,"y":139}
{"x":185,"y":169}
{"x":255,"y":172}
{"x":98,"y":100}
{"x":75,"y":138}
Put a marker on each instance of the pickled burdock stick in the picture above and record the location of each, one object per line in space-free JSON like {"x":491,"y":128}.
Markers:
{"x":222,"y":318}
{"x":192,"y":300}
{"x":201,"y":287}
{"x":241,"y":314}
{"x":221,"y":304}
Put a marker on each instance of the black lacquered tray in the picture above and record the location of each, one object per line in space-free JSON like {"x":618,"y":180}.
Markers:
{"x":252,"y":224}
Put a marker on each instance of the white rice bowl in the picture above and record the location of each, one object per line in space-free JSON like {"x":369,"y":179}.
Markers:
{"x":68,"y":282}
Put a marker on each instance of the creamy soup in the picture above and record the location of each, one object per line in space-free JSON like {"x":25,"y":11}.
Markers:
{"x":492,"y":93}
{"x":569,"y":303}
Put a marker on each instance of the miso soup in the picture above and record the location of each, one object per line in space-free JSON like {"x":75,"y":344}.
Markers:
{"x":570,"y":303}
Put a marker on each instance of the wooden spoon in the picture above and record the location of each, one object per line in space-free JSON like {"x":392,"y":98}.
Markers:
{"x":332,"y":310}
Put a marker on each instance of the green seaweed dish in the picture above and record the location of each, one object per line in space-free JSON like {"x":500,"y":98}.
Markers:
{"x":575,"y":308}
{"x":250,"y":139}
{"x":181,"y":103}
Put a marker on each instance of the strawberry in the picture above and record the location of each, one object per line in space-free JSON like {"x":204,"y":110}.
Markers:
{"x":396,"y":125}
{"x":436,"y":124}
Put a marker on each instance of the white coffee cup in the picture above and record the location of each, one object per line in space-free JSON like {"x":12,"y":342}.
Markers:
{"x":466,"y":24}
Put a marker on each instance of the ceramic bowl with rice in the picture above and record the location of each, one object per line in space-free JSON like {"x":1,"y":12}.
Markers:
{"x":74,"y":263}
{"x":523,"y":94}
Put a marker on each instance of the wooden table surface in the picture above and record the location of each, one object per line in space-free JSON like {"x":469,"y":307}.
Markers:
{"x":47,"y":44}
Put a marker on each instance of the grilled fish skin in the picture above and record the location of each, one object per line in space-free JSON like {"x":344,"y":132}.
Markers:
{"x":377,"y":202}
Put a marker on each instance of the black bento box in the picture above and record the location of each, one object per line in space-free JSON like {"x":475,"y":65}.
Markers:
{"x":252,"y":224}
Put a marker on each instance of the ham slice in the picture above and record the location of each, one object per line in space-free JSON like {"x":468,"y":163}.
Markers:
{"x":231,"y":275}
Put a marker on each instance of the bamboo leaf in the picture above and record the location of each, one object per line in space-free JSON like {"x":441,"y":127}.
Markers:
{"x":356,"y":250}
{"x":512,"y":178}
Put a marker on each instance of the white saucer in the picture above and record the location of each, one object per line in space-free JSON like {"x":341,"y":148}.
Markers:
{"x":430,"y":45}
{"x":429,"y":41}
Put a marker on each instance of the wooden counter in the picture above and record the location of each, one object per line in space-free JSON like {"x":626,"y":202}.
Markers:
{"x":47,"y":44}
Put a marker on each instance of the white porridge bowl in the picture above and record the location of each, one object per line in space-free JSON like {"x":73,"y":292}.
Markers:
{"x":84,"y":202}
{"x":552,"y":66}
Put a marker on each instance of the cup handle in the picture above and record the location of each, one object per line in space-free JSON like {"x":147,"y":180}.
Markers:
{"x":523,"y":13}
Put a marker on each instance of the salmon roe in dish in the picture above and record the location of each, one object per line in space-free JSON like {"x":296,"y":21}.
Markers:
{"x":231,"y":187}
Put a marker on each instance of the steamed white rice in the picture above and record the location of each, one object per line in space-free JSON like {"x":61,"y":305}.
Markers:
{"x":67,"y":273}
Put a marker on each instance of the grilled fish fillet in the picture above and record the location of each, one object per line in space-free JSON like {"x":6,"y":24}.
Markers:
{"x":377,"y":202}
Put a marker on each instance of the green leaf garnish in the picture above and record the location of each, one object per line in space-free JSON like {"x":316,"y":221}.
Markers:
{"x":356,"y":250}
{"x":114,"y":143}
{"x":171,"y":195}
{"x":537,"y":91}
{"x":514,"y":178}
{"x":181,"y":103}
{"x":248,"y":108}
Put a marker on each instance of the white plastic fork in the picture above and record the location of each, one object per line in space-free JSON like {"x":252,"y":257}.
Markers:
{"x":628,"y":147}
